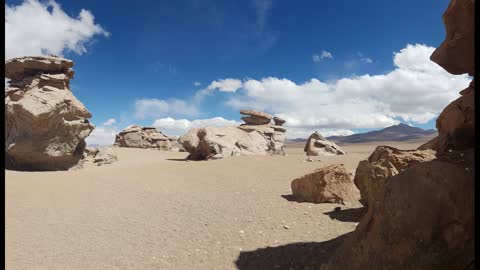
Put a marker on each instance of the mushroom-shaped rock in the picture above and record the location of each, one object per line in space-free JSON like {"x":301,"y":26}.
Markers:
{"x":330,"y":184}
{"x":318,"y":145}
{"x":45,"y":125}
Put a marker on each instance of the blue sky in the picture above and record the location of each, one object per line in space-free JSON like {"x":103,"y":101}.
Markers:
{"x":158,"y":55}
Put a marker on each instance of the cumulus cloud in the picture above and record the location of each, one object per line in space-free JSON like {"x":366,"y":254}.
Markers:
{"x":104,"y":134}
{"x":38,"y":28}
{"x":324,"y":54}
{"x":415,"y":91}
{"x":179,"y":127}
{"x":152,"y":107}
{"x":226,"y":85}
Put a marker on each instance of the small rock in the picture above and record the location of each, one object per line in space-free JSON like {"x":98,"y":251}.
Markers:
{"x":286,"y":227}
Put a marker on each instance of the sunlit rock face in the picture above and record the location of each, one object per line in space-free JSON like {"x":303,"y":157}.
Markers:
{"x":45,"y":125}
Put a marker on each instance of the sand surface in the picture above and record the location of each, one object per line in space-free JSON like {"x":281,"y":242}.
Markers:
{"x":153,"y":210}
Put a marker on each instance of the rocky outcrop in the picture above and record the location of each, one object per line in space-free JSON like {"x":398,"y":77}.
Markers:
{"x":98,"y":156}
{"x":259,"y":137}
{"x":423,"y":217}
{"x":330,"y":184}
{"x":219,"y":142}
{"x":373,"y":173}
{"x":318,"y":145}
{"x":45,"y":125}
{"x":273,"y":133}
{"x":146,"y":137}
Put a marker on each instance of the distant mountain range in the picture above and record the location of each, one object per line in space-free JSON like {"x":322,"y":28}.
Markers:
{"x":396,"y":133}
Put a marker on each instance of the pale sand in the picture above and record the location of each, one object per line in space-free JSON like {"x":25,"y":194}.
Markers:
{"x":152,"y":210}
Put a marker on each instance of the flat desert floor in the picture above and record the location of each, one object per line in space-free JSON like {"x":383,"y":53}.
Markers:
{"x":154,"y":210}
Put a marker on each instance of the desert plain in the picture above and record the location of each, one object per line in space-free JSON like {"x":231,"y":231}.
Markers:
{"x":155,"y":210}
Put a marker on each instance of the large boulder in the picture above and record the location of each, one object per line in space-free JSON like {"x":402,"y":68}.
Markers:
{"x":330,"y":184}
{"x":373,"y":173}
{"x":424,"y":220}
{"x":423,"y":217}
{"x":45,"y":125}
{"x":218,"y":142}
{"x":317,"y":145}
{"x":145,"y":137}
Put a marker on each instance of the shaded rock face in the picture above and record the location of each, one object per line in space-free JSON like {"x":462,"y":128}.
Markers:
{"x":423,"y":216}
{"x":247,"y":139}
{"x":45,"y":125}
{"x":373,"y":173}
{"x":330,"y":184}
{"x":318,"y":145}
{"x":145,"y":137}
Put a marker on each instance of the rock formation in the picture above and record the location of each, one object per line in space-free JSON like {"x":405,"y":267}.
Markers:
{"x":274,"y":134}
{"x":373,"y":173}
{"x":45,"y":125}
{"x":318,"y":145}
{"x":423,"y":217}
{"x":97,"y":156}
{"x":330,"y":184}
{"x":145,"y":137}
{"x":256,"y":137}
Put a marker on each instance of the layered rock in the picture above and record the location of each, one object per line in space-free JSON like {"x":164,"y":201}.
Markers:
{"x":45,"y":125}
{"x":146,"y":137}
{"x":98,"y":156}
{"x":247,"y":139}
{"x":318,"y":145}
{"x":423,"y":217}
{"x":330,"y":184}
{"x":273,"y":133}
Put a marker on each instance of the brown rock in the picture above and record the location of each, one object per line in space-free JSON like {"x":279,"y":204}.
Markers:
{"x":45,"y":125}
{"x":330,"y":184}
{"x":373,"y":173}
{"x":279,"y":121}
{"x":252,"y":120}
{"x":456,"y":54}
{"x":456,"y":123}
{"x":424,"y":220}
{"x":256,"y":114}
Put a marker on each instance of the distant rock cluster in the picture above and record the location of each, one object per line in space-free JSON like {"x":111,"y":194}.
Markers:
{"x":256,"y":137}
{"x":146,"y":137}
{"x":318,"y":145}
{"x":45,"y":125}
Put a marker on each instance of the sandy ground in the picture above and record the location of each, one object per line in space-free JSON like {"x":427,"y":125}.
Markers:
{"x":153,"y":210}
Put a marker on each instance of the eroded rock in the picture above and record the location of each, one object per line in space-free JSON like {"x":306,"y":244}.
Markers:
{"x":318,"y":145}
{"x":45,"y":125}
{"x":146,"y":137}
{"x":330,"y":184}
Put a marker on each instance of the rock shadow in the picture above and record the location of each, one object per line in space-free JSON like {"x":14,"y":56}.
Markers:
{"x":294,"y":256}
{"x":347,"y":215}
{"x":177,"y":159}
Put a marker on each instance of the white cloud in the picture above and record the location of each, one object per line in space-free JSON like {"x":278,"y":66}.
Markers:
{"x":197,"y":83}
{"x":294,"y":133}
{"x":179,"y":127}
{"x":365,"y":59}
{"x":323,"y":55}
{"x":226,"y":85}
{"x":415,"y":91}
{"x":103,"y":134}
{"x":31,"y":29}
{"x":110,"y":122}
{"x":153,"y":107}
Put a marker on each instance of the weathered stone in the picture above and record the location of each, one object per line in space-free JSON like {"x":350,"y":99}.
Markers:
{"x":256,"y":114}
{"x":278,"y":121}
{"x":45,"y":125}
{"x":330,"y":184}
{"x":318,"y":145}
{"x":251,"y":120}
{"x":146,"y":137}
